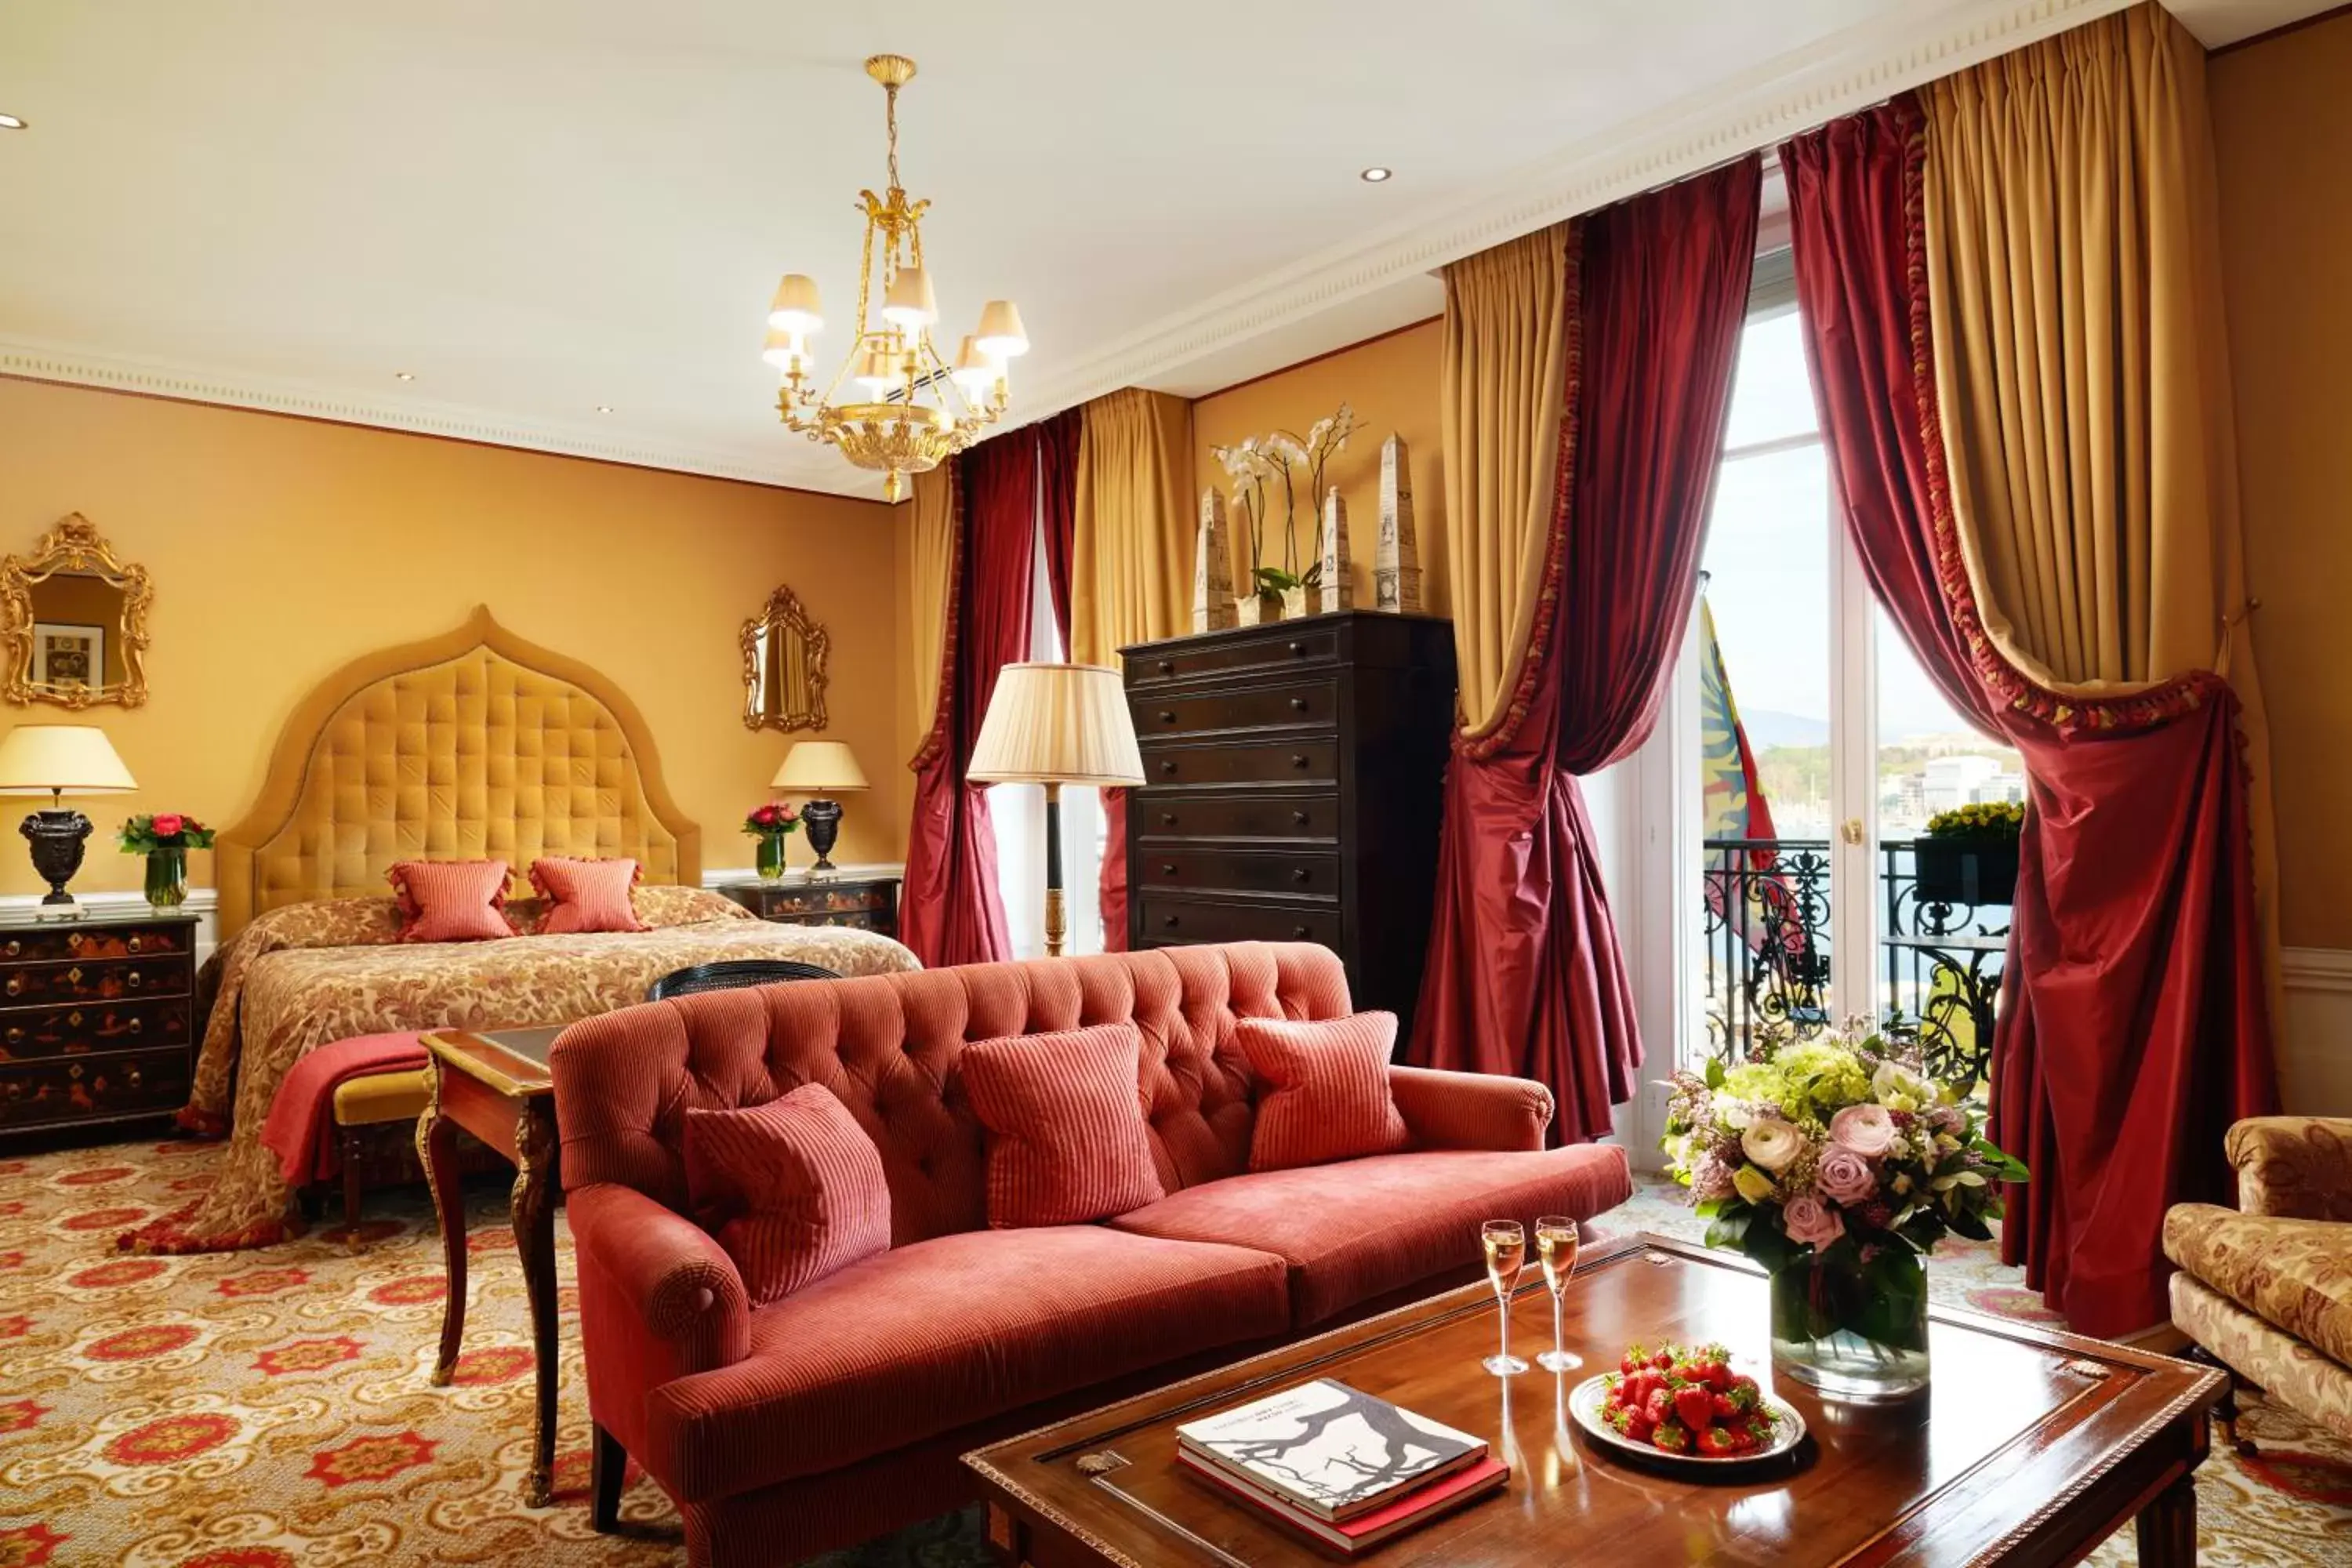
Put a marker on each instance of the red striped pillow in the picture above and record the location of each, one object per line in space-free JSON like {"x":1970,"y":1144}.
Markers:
{"x":585,"y":895}
{"x":1065,"y":1114}
{"x":451,"y":900}
{"x":1326,"y":1090}
{"x":793,"y":1189}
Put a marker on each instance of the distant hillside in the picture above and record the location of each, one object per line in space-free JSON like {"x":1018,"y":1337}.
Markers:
{"x":1768,"y":728}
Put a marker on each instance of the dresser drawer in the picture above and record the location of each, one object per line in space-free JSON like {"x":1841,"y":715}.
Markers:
{"x":135,"y":1083}
{"x":115,"y":941}
{"x":1306,"y":873}
{"x":1304,"y":704}
{"x":98,"y":980}
{"x":1253,"y":815}
{"x":1242,"y":761}
{"x":32,"y":1033}
{"x":1294,"y":646}
{"x":1172,"y":921}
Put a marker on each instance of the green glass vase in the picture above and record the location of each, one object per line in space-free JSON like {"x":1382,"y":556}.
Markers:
{"x":167,"y":877}
{"x":771,"y":856}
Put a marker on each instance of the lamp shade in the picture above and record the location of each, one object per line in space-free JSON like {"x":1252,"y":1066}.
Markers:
{"x":1057,"y":723}
{"x":1001,"y":332}
{"x":909,"y":302}
{"x":794,"y":308}
{"x":69,"y":759}
{"x":819,"y":767}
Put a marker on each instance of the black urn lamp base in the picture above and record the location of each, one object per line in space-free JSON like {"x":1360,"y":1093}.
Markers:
{"x":57,"y":838}
{"x":823,"y":820}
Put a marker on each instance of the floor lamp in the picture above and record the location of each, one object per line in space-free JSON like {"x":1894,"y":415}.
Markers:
{"x":1057,"y":724}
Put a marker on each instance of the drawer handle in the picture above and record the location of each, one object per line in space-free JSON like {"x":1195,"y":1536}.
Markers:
{"x":1299,"y":817}
{"x":132,"y":1072}
{"x":133,"y":945}
{"x":1299,"y":873}
{"x":1168,"y":767}
{"x":1167,"y":819}
{"x":73,"y":975}
{"x":1300,"y":932}
{"x":131,"y":980}
{"x":1167,"y":666}
{"x":1167,"y":920}
{"x":137,"y":1025}
{"x":15,"y":1034}
{"x":1168,"y":716}
{"x":1167,"y":868}
{"x":1297,"y":759}
{"x":16,"y":984}
{"x":1298,"y":705}
{"x":15,"y":948}
{"x":74,"y":1073}
{"x":1298,"y":650}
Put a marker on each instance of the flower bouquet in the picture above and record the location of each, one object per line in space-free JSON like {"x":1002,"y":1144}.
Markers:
{"x":165,"y":839}
{"x":769,"y":824}
{"x":1838,"y":1166}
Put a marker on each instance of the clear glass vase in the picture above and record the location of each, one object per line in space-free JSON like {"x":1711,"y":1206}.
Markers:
{"x":1853,"y":1329}
{"x":167,"y":877}
{"x":771,"y":856}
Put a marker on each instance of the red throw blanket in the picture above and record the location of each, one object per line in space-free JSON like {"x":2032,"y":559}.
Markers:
{"x":296,"y":1128}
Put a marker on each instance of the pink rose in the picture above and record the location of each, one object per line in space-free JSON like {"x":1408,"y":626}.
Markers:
{"x":1845,"y":1176}
{"x":166,"y":824}
{"x":1867,"y":1129}
{"x":1711,"y":1180}
{"x":1811,"y":1222}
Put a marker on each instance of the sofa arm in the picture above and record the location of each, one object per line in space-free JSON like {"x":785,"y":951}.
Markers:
{"x":2294,"y":1167}
{"x":1471,"y":1109}
{"x":656,"y":1288}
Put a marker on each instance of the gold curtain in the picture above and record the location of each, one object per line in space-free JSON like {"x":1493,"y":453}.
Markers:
{"x":1132,"y":561}
{"x":2074,"y":284}
{"x":930,"y":578}
{"x":1499,"y":392}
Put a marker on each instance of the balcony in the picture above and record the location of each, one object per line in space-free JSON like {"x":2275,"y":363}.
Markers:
{"x":1768,"y":958}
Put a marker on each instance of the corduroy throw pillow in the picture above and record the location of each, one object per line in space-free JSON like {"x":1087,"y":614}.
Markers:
{"x":1064,"y":1118}
{"x":585,"y":895}
{"x":451,"y":900}
{"x":1326,"y":1090}
{"x":793,"y":1189}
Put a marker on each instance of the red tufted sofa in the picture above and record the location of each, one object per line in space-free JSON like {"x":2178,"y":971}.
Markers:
{"x":841,"y":1411}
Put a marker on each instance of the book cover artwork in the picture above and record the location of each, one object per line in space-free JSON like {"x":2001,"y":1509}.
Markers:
{"x":1333,"y":1449}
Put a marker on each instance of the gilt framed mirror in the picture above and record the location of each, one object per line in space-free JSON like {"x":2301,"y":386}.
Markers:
{"x":73,"y":622}
{"x":783,"y":667}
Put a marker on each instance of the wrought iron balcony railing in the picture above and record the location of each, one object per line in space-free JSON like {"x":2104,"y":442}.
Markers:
{"x":1768,"y":956}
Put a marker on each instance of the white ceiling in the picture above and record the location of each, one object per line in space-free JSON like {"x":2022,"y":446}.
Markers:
{"x":539,"y":207}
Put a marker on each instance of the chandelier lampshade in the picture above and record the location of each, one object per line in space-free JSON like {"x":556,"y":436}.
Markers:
{"x":909,"y":409}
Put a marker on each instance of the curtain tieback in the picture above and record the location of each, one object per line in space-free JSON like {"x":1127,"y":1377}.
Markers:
{"x":2231,"y":622}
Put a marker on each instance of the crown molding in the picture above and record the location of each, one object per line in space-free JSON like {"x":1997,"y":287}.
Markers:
{"x":1764,"y":106}
{"x":38,"y":360}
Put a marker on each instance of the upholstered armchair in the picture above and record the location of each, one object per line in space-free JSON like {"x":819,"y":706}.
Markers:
{"x":2266,"y":1288}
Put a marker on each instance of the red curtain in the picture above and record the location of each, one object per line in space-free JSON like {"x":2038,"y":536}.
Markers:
{"x":1525,"y":975}
{"x":2133,"y":1027}
{"x":952,"y":912}
{"x":1057,"y":507}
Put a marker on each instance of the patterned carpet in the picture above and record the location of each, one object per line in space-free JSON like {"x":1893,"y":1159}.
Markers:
{"x":271,"y":1409}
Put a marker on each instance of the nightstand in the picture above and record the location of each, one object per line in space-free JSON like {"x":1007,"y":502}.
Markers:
{"x":869,"y":903}
{"x":96,"y":1019}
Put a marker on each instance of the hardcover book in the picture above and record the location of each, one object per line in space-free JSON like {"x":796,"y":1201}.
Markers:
{"x":1364,"y":1530}
{"x":1329,"y":1449}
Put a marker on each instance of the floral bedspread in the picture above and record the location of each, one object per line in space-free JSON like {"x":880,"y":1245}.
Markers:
{"x":309,"y":975}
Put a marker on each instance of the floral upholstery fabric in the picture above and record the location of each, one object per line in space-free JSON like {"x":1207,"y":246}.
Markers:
{"x":308,"y":974}
{"x":2294,"y":1273}
{"x":2294,"y":1167}
{"x":2285,"y":1367}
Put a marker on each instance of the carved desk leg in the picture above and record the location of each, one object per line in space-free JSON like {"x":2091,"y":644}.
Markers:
{"x":2166,"y":1527}
{"x":534,"y":1229}
{"x":437,"y":1152}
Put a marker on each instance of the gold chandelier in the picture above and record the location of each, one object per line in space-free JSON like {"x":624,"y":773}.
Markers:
{"x":917,"y":410}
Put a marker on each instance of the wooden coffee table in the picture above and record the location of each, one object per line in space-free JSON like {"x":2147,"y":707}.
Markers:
{"x":2032,"y":1448}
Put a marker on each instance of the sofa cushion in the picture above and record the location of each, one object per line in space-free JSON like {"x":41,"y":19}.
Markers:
{"x":1356,"y":1231}
{"x":1065,"y":1115}
{"x":1325,"y":1089}
{"x":928,"y":1337}
{"x":2295,"y":1273}
{"x":793,"y":1189}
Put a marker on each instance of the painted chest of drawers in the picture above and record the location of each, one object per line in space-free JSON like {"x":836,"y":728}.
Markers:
{"x":96,"y":1019}
{"x":868,"y":903}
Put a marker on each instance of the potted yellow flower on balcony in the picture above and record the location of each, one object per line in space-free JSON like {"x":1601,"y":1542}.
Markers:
{"x":1969,"y":854}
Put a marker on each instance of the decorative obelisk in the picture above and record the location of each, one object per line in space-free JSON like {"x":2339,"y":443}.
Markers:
{"x":1338,"y":589}
{"x":1396,"y":559}
{"x":1212,"y":584}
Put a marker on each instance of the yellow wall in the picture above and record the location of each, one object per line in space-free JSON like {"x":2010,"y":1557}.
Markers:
{"x":283,"y":548}
{"x":2282,"y":130}
{"x":1391,"y":384}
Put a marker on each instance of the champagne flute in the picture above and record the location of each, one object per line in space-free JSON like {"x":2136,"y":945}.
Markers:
{"x":1556,"y":1243}
{"x":1506,"y":1241}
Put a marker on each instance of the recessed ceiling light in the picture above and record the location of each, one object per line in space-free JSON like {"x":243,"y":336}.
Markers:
{"x":10,"y":123}
{"x":1375,"y":175}
{"x":604,"y":408}
{"x":403,"y":375}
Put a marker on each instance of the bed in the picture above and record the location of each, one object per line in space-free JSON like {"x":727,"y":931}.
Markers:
{"x":470,"y":745}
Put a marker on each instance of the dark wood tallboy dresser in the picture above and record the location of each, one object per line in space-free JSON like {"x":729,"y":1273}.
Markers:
{"x":96,"y":1019}
{"x":1296,"y":776}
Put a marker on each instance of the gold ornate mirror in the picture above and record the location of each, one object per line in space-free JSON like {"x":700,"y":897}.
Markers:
{"x":73,"y":620}
{"x":783,"y":667}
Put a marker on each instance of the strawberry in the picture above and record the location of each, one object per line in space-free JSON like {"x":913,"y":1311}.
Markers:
{"x":1634,"y":1360}
{"x":1725,"y":1408}
{"x":1743,"y":1441}
{"x":1638,"y":1425}
{"x":1663,"y":1360}
{"x":1660,"y":1406}
{"x":1742,"y":1381}
{"x":1718,"y":1442}
{"x":1694,"y":1406}
{"x":1638,"y":1387}
{"x":1672,"y":1436}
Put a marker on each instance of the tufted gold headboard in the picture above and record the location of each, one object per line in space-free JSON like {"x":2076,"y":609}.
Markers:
{"x":470,"y":745}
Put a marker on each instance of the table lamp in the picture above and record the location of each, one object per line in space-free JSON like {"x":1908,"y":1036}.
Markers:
{"x":820,"y":770}
{"x":56,"y":761}
{"x":1055,"y":724}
